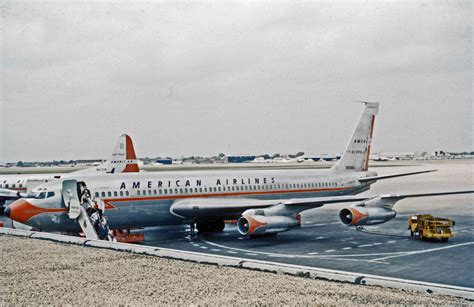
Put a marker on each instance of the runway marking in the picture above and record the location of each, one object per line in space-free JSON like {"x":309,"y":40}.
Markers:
{"x":203,"y":247}
{"x":347,"y":248}
{"x":376,"y":243}
{"x":365,"y":245}
{"x":423,"y":251}
{"x":319,"y":238}
{"x":270,"y":254}
{"x":330,"y":251}
{"x":168,"y":241}
{"x":313,"y":253}
{"x":215,"y":250}
{"x":390,"y":242}
{"x":347,"y":257}
{"x":251,"y":254}
{"x":322,"y":224}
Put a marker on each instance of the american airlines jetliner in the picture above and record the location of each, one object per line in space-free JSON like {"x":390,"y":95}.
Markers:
{"x":123,"y":160}
{"x":263,"y":201}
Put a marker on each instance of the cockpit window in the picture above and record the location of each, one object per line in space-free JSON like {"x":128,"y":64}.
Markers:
{"x":42,"y":195}
{"x":50,"y":194}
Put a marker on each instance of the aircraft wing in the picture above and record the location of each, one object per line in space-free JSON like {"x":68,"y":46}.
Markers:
{"x":389,"y":200}
{"x":232,"y":208}
{"x":374,"y":178}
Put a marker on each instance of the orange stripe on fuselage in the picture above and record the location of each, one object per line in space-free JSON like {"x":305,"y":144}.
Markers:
{"x":221,"y":194}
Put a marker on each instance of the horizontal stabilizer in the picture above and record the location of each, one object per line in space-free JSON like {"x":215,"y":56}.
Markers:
{"x":373,"y":178}
{"x":7,"y":194}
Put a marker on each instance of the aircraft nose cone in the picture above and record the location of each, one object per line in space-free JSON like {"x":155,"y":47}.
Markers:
{"x":7,"y":211}
{"x":21,"y":210}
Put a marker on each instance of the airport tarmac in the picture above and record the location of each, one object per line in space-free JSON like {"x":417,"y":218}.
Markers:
{"x":386,"y":249}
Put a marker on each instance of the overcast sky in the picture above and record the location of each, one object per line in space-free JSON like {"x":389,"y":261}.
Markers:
{"x":234,"y":77}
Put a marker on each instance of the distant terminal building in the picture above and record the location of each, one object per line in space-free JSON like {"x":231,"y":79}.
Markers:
{"x":164,"y":161}
{"x":240,"y":158}
{"x":331,"y":157}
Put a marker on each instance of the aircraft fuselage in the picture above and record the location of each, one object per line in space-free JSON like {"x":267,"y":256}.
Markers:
{"x":144,"y":199}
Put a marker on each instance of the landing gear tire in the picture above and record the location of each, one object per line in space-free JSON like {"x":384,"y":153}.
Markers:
{"x":411,"y":233}
{"x":202,"y":228}
{"x":219,"y":226}
{"x":210,"y":227}
{"x":421,"y":235}
{"x":444,"y":239}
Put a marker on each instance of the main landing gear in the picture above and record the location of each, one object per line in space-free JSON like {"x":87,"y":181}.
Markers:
{"x":207,"y":227}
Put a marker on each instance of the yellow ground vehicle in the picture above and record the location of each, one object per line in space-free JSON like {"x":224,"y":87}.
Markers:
{"x":426,"y":226}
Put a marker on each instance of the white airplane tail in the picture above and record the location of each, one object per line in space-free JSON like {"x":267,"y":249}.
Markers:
{"x":356,"y":156}
{"x":124,"y":159}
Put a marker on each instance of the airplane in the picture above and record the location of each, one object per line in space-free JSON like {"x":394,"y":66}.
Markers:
{"x":123,"y":159}
{"x":265,"y":202}
{"x":380,"y":158}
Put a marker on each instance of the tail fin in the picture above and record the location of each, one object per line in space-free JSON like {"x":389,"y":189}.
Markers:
{"x":356,"y":156}
{"x":124,"y":159}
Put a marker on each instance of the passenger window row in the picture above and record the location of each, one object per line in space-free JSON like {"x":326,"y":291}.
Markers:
{"x":104,"y":194}
{"x":177,"y":191}
{"x":6,"y":185}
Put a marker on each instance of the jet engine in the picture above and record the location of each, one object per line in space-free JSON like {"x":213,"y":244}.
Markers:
{"x":361,"y":215}
{"x":255,"y":223}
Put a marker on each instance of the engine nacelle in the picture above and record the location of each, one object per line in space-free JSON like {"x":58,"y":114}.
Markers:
{"x":360,"y":215}
{"x":252,"y":224}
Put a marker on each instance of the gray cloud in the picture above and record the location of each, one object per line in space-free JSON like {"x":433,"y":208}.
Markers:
{"x":201,"y":78}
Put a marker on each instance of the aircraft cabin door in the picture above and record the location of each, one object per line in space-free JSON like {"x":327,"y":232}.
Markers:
{"x":71,"y":198}
{"x":70,"y":193}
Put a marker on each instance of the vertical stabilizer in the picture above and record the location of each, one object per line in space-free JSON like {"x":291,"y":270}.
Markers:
{"x":124,"y":159}
{"x":356,"y":156}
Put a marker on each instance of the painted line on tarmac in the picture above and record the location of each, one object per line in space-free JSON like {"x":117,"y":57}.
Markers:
{"x":319,"y":225}
{"x":169,"y":241}
{"x":423,"y":251}
{"x":307,"y":256}
{"x":341,"y":257}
